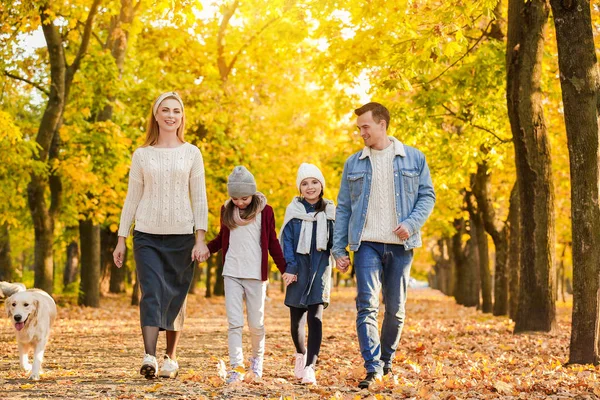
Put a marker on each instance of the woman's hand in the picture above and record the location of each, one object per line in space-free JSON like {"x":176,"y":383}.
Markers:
{"x":119,"y":253}
{"x":288,"y":278}
{"x":200,"y":251}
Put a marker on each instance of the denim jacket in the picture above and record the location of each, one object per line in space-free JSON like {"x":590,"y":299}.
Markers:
{"x":413,"y":189}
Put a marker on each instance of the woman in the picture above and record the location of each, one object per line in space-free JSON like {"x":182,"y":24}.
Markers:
{"x":167,"y":198}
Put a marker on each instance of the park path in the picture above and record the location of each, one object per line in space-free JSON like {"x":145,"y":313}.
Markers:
{"x":446,"y":352}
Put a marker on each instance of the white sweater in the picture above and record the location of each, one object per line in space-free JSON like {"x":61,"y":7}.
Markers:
{"x":167,"y":191}
{"x":381,"y":210}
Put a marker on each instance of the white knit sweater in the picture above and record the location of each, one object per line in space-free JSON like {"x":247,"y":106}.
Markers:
{"x":381,"y":210}
{"x":167,"y":191}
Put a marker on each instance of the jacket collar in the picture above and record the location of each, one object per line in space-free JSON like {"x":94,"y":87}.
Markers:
{"x":398,"y":149}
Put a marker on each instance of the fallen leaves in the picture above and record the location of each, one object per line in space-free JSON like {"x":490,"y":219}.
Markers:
{"x":447,"y":352}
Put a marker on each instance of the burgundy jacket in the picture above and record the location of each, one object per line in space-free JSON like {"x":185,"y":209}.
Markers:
{"x":268,"y":242}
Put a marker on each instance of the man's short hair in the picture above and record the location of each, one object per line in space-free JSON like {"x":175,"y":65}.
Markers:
{"x":378,"y":111}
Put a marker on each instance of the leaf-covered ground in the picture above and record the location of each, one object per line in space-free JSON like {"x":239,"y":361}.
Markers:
{"x":446,"y":352}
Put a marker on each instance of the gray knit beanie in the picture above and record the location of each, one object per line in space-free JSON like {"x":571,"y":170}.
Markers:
{"x":241,"y":183}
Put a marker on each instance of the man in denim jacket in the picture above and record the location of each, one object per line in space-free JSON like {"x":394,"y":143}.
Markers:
{"x":386,"y":195}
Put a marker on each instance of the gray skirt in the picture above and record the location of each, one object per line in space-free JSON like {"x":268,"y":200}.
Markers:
{"x":165,"y":271}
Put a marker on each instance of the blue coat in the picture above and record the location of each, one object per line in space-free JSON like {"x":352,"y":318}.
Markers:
{"x":313,"y":270}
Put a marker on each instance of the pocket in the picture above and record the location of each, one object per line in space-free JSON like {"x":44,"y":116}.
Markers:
{"x":411,"y":181}
{"x":356,"y":182}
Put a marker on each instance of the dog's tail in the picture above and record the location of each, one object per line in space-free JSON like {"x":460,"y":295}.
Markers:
{"x":7,"y":289}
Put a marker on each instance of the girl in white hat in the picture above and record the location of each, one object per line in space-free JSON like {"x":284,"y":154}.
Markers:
{"x":306,"y":238}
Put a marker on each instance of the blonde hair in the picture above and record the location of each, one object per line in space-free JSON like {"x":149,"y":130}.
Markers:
{"x":152,"y":130}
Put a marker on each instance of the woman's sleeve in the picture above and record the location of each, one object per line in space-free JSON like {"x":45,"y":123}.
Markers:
{"x":198,"y":193}
{"x":135,"y":190}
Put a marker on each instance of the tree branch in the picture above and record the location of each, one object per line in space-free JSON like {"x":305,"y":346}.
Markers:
{"x":35,"y":85}
{"x":483,"y":34}
{"x":470,"y":122}
{"x":248,"y":43}
{"x":85,"y":41}
{"x":221,"y":63}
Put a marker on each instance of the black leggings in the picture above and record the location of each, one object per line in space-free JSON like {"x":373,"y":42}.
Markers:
{"x":298,"y":317}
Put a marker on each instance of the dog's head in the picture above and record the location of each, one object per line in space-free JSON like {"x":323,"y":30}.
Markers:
{"x":21,"y":308}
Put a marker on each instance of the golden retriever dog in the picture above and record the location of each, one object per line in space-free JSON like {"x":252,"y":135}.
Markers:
{"x":32,"y":313}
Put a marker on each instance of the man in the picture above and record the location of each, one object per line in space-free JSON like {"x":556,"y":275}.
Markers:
{"x":386,"y":195}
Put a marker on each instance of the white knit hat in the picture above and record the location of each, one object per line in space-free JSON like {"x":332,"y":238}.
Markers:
{"x":309,"y":171}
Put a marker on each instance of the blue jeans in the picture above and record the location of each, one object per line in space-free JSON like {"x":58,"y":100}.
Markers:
{"x":380,"y":266}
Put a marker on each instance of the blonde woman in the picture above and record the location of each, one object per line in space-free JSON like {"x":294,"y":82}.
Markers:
{"x":167,"y":199}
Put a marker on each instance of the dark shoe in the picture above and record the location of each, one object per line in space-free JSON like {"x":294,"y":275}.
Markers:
{"x":370,"y":378}
{"x":387,"y":370}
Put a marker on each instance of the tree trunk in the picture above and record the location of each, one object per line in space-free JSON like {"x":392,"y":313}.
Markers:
{"x":483,"y":257}
{"x":211,"y":263}
{"x":526,"y":26}
{"x":580,"y":83}
{"x":466,"y":290}
{"x":89,"y":293}
{"x":61,"y":76}
{"x":6,"y":265}
{"x":219,"y":289}
{"x":71,"y":264}
{"x":514,"y":253}
{"x":197,"y":278}
{"x":499,"y":234}
{"x":116,"y":276}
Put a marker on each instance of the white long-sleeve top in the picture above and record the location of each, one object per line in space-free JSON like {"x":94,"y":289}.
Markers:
{"x":167,"y":191}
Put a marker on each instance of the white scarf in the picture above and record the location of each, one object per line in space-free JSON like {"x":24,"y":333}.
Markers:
{"x":296,"y":210}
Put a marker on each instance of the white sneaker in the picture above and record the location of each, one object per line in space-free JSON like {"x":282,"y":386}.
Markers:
{"x":233,"y":377}
{"x":169,"y":368}
{"x":309,"y":376}
{"x":299,"y":365}
{"x":256,"y":366}
{"x":149,"y":367}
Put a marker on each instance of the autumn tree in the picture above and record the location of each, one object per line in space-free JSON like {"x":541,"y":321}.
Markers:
{"x":525,"y":44}
{"x":580,"y":82}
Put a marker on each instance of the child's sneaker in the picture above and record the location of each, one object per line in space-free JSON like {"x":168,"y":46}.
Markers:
{"x":233,"y":377}
{"x":299,"y":365}
{"x":149,"y":367}
{"x":256,"y":366}
{"x":309,"y":376}
{"x":169,"y":368}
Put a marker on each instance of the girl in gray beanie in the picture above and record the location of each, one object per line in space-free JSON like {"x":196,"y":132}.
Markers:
{"x":246,"y":238}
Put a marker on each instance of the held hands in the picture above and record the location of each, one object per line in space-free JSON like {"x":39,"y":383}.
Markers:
{"x":288,"y":278}
{"x":119,"y":253}
{"x":401,"y":232}
{"x":200,"y":252}
{"x":343,"y":263}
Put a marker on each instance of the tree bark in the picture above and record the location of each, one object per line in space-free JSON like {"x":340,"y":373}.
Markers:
{"x":466,"y":290}
{"x":89,"y":292}
{"x":71,"y":264}
{"x":580,"y":83}
{"x":7,"y":272}
{"x":108,"y":242}
{"x":211,"y":263}
{"x":526,"y":26}
{"x":483,"y":258}
{"x":499,"y":234}
{"x":197,"y":278}
{"x":514,"y":252}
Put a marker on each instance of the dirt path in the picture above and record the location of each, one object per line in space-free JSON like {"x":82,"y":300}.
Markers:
{"x":446,"y":352}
